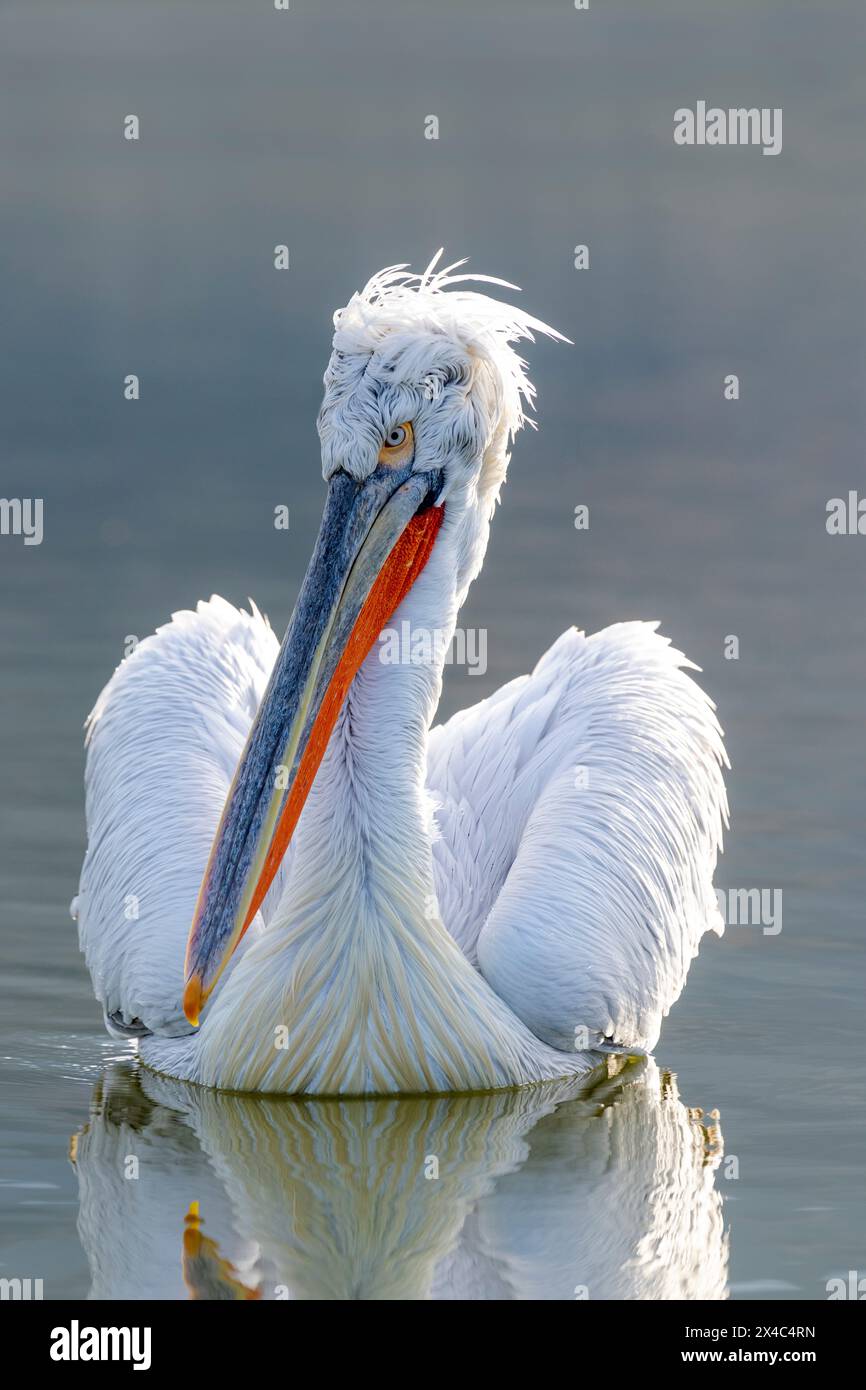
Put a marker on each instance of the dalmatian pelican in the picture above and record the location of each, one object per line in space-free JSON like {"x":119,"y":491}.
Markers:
{"x":378,"y":906}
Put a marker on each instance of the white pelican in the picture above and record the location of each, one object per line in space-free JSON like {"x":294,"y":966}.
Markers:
{"x":485,"y":904}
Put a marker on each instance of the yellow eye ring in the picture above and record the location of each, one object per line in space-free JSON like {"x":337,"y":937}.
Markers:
{"x":398,"y":444}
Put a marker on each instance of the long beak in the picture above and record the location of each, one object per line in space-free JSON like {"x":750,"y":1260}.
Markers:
{"x":374,"y":540}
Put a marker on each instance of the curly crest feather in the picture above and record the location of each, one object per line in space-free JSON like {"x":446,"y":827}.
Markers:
{"x":414,"y":347}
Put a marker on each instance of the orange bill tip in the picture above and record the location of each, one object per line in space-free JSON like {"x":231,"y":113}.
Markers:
{"x":192,"y":1000}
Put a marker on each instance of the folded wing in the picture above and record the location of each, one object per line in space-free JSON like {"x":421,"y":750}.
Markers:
{"x":580,"y":814}
{"x":163,"y":741}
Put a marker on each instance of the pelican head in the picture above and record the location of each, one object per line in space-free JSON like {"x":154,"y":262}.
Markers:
{"x":423,"y":394}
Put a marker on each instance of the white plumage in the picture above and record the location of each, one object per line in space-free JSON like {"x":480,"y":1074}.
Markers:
{"x":488,"y":903}
{"x":163,"y":741}
{"x":574,"y":856}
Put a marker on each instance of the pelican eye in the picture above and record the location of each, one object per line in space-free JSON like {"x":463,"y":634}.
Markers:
{"x":398,"y":444}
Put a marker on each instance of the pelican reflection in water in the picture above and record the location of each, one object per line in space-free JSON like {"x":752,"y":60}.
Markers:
{"x":601,"y":1189}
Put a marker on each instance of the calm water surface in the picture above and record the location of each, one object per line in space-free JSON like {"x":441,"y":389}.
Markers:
{"x":709,"y":515}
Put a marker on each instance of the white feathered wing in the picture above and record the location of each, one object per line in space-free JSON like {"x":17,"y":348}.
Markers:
{"x":163,"y":741}
{"x":580,"y":814}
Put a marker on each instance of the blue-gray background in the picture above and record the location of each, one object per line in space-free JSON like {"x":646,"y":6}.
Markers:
{"x":156,"y":258}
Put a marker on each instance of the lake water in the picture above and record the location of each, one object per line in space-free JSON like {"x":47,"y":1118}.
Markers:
{"x":156,"y":258}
